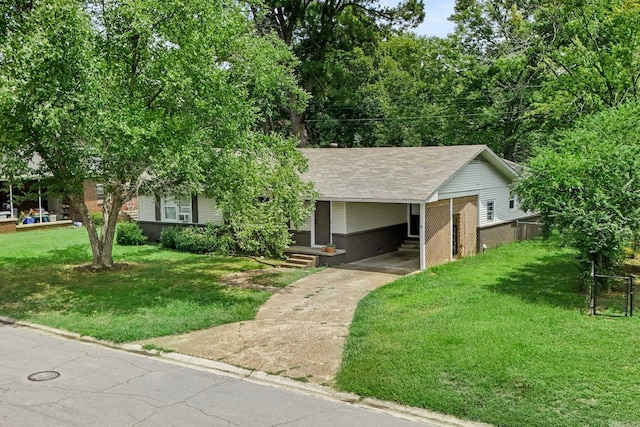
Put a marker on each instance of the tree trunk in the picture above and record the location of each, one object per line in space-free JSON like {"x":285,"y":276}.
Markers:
{"x":509,"y":143}
{"x":298,"y":128}
{"x":110,"y":210}
{"x":101,"y":243}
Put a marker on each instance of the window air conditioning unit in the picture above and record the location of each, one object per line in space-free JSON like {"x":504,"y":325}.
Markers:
{"x":184,"y":217}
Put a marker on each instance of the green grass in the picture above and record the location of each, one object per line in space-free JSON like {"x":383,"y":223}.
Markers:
{"x":160,"y":293}
{"x":502,"y":338}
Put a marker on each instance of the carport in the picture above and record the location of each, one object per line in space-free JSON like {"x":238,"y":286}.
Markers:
{"x":398,"y":262}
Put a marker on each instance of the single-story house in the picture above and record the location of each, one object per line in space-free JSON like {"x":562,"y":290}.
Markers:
{"x":453,"y":201}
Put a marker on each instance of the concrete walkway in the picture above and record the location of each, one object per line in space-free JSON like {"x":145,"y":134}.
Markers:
{"x":298,"y":333}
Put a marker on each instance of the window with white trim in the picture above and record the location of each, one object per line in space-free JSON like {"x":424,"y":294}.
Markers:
{"x":512,"y":202}
{"x":490,"y":210}
{"x":176,"y":209}
{"x":100,"y":193}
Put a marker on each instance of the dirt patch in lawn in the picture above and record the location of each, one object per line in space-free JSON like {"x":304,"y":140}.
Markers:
{"x":118,"y":266}
{"x":251,"y":279}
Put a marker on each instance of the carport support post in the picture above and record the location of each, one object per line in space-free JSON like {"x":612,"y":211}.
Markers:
{"x":423,"y":261}
{"x":451,"y":229}
{"x":11,"y":200}
{"x":39,"y":203}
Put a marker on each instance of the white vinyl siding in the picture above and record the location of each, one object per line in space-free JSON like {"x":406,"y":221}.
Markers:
{"x":305,"y":226}
{"x":501,"y":211}
{"x":146,"y":208}
{"x":468,"y":181}
{"x":480,"y":178}
{"x":208,"y":211}
{"x":339,"y":217}
{"x":362,"y":216}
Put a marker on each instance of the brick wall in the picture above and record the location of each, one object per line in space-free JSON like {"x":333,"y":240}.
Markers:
{"x":91,"y":197}
{"x":7,"y":226}
{"x":437,"y":233}
{"x":438,"y":229}
{"x":131,"y":205}
{"x":94,"y":205}
{"x":467,"y":207}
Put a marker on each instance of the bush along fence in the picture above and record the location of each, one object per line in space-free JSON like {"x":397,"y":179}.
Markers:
{"x":611,"y":295}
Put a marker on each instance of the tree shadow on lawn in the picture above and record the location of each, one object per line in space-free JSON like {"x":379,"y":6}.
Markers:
{"x":553,"y":280}
{"x":52,"y":284}
{"x":75,"y":254}
{"x":70,"y":254}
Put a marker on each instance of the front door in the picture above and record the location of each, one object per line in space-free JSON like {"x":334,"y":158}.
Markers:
{"x":455,"y":236}
{"x":414,"y":220}
{"x":322,"y":223}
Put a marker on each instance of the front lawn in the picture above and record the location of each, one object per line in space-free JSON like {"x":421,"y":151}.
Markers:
{"x":160,"y":293}
{"x":502,"y":338}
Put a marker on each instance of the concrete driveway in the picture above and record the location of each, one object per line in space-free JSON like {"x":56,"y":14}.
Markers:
{"x":299,"y":333}
{"x":398,"y":262}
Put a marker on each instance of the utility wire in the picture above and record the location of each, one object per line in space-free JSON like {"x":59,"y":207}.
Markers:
{"x":382,"y":119}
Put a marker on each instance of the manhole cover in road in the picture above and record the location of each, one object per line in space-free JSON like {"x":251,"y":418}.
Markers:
{"x":44,"y":376}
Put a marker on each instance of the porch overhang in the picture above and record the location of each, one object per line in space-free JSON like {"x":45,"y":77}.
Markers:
{"x":367,"y":200}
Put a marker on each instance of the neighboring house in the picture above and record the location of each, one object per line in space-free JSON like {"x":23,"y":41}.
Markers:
{"x":453,"y":200}
{"x":50,"y":209}
{"x":56,"y":210}
{"x":93,"y":199}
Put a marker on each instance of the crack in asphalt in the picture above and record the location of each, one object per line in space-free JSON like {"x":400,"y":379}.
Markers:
{"x":52,"y":402}
{"x":304,"y":417}
{"x":188,"y":405}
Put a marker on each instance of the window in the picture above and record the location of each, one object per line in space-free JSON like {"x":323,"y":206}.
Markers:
{"x":176,"y":210}
{"x":512,"y":203}
{"x":100,"y":193}
{"x":490,"y":210}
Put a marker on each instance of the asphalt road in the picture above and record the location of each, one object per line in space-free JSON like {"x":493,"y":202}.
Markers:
{"x":100,"y":386}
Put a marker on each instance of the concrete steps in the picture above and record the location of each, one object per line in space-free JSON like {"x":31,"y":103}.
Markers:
{"x":300,"y":261}
{"x":410,"y":245}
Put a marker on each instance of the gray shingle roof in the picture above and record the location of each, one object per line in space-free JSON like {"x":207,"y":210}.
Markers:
{"x":402,"y":174}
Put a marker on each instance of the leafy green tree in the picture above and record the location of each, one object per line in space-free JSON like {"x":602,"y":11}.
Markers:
{"x":501,"y":71}
{"x":253,"y":189}
{"x":587,"y":184}
{"x":476,"y":85}
{"x":535,"y":66}
{"x":149,"y":92}
{"x":591,"y":54}
{"x":402,"y":93}
{"x":317,"y":28}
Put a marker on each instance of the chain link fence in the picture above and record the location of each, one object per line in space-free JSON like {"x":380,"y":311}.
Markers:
{"x":612,"y":295}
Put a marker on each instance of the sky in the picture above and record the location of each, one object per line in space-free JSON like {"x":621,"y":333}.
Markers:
{"x":435,"y":22}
